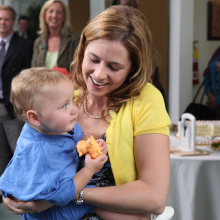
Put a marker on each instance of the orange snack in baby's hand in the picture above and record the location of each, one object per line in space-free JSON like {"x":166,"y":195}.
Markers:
{"x":90,"y":146}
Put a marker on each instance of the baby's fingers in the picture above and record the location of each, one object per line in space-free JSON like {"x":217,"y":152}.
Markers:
{"x":103,"y":158}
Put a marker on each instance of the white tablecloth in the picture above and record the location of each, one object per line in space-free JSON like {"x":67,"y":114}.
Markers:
{"x":195,"y":185}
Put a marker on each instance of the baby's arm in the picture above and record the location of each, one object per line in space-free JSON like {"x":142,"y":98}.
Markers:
{"x":91,"y":167}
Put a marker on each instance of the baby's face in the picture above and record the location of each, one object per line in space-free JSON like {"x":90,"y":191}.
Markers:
{"x":58,"y":111}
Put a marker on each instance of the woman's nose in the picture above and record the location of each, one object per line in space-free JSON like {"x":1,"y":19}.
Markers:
{"x":54,"y":14}
{"x":100,"y":72}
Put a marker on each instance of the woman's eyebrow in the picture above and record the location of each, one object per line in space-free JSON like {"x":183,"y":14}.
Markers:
{"x":117,"y":64}
{"x":112,"y":62}
{"x":93,"y":54}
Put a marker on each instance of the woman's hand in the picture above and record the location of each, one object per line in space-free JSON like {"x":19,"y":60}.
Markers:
{"x":103,"y":145}
{"x":21,"y":207}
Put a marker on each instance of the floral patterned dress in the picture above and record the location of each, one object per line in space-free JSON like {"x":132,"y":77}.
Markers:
{"x":103,"y":178}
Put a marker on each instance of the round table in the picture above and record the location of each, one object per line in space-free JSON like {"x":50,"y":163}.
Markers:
{"x":195,"y":185}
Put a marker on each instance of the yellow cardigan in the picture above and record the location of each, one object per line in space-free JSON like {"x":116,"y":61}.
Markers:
{"x":146,"y":114}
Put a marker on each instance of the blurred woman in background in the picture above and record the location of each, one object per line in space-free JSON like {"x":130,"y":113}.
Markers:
{"x":57,"y":42}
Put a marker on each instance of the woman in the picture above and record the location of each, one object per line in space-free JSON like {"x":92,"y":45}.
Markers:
{"x":212,"y":83}
{"x":57,"y":42}
{"x":112,"y":67}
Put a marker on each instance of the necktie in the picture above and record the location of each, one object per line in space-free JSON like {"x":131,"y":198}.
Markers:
{"x":2,"y":53}
{"x":2,"y":56}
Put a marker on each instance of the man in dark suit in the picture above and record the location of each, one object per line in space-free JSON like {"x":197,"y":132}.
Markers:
{"x":15,"y":55}
{"x":23,"y":28}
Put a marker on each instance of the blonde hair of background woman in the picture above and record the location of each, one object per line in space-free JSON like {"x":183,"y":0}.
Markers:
{"x":44,"y":30}
{"x":129,"y":26}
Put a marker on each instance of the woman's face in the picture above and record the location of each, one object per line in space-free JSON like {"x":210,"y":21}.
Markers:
{"x":55,"y":16}
{"x":106,"y":65}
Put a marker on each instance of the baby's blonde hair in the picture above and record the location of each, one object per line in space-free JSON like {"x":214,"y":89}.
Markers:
{"x":28,"y":84}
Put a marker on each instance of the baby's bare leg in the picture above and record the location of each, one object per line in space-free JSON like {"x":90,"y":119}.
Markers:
{"x":108,"y":215}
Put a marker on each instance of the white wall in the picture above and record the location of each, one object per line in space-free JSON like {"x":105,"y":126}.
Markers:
{"x":205,"y":47}
{"x":96,"y":7}
{"x":180,"y":57}
{"x":6,"y":2}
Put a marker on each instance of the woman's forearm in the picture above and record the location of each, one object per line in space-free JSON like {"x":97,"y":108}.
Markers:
{"x":132,"y":197}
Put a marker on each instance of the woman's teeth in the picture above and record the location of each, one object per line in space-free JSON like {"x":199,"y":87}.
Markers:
{"x":97,"y":83}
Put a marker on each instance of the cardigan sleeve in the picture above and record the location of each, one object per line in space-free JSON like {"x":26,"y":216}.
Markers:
{"x":146,"y":114}
{"x":149,"y":113}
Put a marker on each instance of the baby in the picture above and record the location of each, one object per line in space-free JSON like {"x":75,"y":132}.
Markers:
{"x":45,"y":160}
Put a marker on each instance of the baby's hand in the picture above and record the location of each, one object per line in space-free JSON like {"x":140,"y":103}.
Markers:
{"x":95,"y":165}
{"x":103,"y":145}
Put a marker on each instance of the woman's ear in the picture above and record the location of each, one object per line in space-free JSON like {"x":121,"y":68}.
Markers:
{"x":32,"y":117}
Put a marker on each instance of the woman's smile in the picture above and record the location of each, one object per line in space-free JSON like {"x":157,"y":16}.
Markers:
{"x":97,"y":84}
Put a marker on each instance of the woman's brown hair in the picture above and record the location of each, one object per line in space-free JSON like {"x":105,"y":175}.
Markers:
{"x":129,"y":26}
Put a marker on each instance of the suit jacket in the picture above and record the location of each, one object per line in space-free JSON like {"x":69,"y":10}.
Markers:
{"x":17,"y":58}
{"x":66,"y":51}
{"x":29,"y":35}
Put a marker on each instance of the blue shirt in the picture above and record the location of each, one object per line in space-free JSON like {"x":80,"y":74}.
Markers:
{"x":43,"y":167}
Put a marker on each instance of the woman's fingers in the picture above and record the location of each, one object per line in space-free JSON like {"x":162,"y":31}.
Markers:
{"x":22,"y":207}
{"x":14,"y":207}
{"x":103,"y":145}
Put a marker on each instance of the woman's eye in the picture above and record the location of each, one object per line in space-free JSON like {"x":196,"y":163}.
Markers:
{"x":114,"y":68}
{"x":94,"y":61}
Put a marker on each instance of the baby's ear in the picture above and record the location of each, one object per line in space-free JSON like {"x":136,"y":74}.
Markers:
{"x":32,"y":117}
